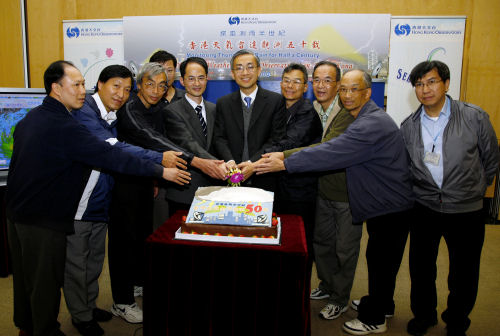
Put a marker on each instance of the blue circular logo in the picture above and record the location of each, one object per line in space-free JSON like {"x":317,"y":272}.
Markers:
{"x":402,"y":29}
{"x":234,"y":20}
{"x":73,"y":32}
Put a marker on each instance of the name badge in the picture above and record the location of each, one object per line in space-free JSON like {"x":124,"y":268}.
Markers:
{"x":432,"y":158}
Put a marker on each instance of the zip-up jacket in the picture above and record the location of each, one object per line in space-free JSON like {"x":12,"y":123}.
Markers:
{"x":94,"y":204}
{"x":470,"y":159}
{"x":374,"y":156}
{"x":51,"y":159}
{"x":144,"y":127}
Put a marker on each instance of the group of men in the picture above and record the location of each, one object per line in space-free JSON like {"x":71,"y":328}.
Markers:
{"x":95,"y":162}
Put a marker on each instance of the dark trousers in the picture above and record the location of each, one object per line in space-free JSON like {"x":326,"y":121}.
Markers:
{"x":387,"y":236}
{"x":38,"y":257}
{"x":464,"y":237}
{"x":131,"y":222}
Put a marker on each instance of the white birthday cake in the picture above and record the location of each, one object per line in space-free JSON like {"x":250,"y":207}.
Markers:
{"x":230,"y":211}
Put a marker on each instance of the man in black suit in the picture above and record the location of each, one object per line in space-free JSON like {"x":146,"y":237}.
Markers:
{"x":189,"y":122}
{"x":248,"y":121}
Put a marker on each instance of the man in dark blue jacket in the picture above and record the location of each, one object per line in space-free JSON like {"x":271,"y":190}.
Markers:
{"x":296,"y":193}
{"x":378,"y":182}
{"x":86,"y":247}
{"x":50,"y":160}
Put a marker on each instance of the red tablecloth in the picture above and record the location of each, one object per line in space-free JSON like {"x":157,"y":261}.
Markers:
{"x":208,"y":288}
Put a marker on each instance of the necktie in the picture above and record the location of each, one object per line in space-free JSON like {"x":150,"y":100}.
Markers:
{"x":248,"y":100}
{"x":202,"y":121}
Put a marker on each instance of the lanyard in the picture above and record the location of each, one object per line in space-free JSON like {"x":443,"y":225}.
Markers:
{"x":436,"y":137}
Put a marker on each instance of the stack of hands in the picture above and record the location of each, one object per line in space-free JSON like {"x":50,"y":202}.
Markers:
{"x":175,"y":167}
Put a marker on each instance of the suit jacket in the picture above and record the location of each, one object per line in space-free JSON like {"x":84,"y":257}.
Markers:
{"x":267,"y":125}
{"x":183,"y":127}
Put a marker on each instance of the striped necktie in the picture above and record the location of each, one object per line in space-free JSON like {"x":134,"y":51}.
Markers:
{"x":202,"y":120}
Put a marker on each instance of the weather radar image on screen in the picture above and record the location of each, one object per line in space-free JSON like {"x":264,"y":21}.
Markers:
{"x":14,"y":104}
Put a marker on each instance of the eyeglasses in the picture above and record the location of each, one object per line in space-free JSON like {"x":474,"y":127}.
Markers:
{"x":150,"y":86}
{"x":294,"y":82}
{"x":353,"y":90}
{"x":192,"y":79}
{"x":326,"y":82}
{"x":430,"y":83}
{"x":241,"y":68}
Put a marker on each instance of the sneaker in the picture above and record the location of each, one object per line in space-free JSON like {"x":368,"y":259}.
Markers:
{"x":355,"y":305}
{"x":318,"y":294}
{"x":101,"y":315}
{"x":356,"y":327}
{"x":418,"y":327}
{"x":130,"y":313}
{"x":332,"y":311}
{"x":138,"y":291}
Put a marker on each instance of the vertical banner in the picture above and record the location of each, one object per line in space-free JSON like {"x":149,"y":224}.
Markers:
{"x":414,"y":40}
{"x":92,"y":45}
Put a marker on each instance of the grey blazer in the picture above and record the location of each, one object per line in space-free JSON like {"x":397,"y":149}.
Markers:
{"x":183,"y":128}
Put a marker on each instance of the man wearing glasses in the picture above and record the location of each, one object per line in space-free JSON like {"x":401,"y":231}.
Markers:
{"x":190,"y":123}
{"x":335,"y":239}
{"x":131,"y":213}
{"x":296,"y":194}
{"x":248,"y":120}
{"x":373,"y":154}
{"x":454,"y":156}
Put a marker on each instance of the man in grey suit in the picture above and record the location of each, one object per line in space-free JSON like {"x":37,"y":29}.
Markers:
{"x":249,"y":120}
{"x":189,"y":122}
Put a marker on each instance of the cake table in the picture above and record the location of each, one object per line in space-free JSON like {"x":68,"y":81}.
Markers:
{"x":210,"y":288}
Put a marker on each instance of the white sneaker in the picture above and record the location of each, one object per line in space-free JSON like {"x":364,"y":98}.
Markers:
{"x":332,"y":311}
{"x":356,"y":327}
{"x":138,"y":291}
{"x":130,"y":313}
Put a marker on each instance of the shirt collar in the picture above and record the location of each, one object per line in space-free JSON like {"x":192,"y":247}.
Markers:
{"x":193,"y":103}
{"x":110,"y":116}
{"x":445,"y":111}
{"x":251,"y":95}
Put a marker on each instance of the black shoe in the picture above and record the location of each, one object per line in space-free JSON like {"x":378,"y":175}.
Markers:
{"x":418,"y":327}
{"x":88,"y":328}
{"x":101,"y":315}
{"x":453,"y":332}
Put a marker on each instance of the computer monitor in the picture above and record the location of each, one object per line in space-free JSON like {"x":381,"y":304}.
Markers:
{"x":14,"y":104}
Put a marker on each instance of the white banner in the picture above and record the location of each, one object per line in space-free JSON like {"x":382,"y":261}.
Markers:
{"x":92,"y":45}
{"x":350,"y":40}
{"x":414,"y":40}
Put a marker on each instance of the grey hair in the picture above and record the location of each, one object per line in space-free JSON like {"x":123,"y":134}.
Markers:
{"x":150,"y":69}
{"x":244,"y":52}
{"x":367,"y":79}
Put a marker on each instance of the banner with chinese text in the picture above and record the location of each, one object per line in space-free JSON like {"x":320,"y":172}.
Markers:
{"x":351,"y":40}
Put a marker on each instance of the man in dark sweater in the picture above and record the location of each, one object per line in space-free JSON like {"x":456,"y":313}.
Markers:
{"x":131,"y":212}
{"x":50,"y":161}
